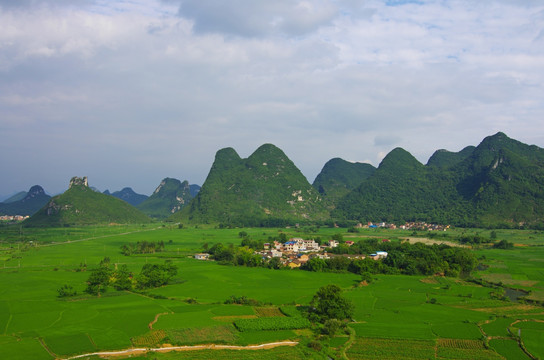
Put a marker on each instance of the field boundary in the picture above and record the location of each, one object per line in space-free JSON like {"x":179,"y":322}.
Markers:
{"x":96,"y":237}
{"x":150,"y":325}
{"x":136,"y":351}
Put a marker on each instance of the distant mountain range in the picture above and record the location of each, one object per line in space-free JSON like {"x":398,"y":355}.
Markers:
{"x":25,"y":203}
{"x":128,"y":195}
{"x":81,"y":205}
{"x":168,"y":198}
{"x":500,"y":182}
{"x":16,"y":197}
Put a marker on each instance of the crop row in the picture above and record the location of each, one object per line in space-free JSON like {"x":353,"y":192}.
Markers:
{"x":271,"y":323}
{"x":461,"y":344}
{"x":153,"y":337}
{"x":268,"y":311}
{"x":214,"y":334}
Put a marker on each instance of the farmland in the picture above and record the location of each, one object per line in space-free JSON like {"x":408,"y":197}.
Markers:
{"x":395,"y":316}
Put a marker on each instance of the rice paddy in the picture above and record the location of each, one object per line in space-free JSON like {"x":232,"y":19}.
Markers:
{"x":395,"y":316}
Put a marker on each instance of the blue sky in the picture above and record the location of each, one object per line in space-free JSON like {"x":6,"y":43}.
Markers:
{"x":130,"y":92}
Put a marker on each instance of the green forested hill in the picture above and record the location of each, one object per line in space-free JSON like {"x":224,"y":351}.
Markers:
{"x":401,"y":189}
{"x":28,"y":204}
{"x":504,"y":181}
{"x":17,"y":197}
{"x":169,"y":197}
{"x":265,"y":188}
{"x":445,"y":159}
{"x":80,"y":205}
{"x":501,"y":181}
{"x":338,"y":177}
{"x":128,"y":195}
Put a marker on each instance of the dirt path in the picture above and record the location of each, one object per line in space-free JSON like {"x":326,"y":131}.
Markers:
{"x":347,"y":345}
{"x":47,"y":348}
{"x":150,"y":325}
{"x":139,"y":351}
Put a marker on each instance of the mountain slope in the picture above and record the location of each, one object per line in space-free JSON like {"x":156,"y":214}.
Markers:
{"x":17,"y":197}
{"x":80,"y":205}
{"x":501,"y":181}
{"x":169,"y":197}
{"x":128,"y":195}
{"x":504,"y":180}
{"x":338,"y":177}
{"x":401,"y":189}
{"x":265,"y":188}
{"x":446,"y":159}
{"x":33,"y":200}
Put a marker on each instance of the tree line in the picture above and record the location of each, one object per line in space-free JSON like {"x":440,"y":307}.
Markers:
{"x":121,"y":278}
{"x":402,"y":258}
{"x":142,"y":247}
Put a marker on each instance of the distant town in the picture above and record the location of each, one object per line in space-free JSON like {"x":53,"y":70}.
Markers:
{"x":13,"y":217}
{"x":420,"y":226}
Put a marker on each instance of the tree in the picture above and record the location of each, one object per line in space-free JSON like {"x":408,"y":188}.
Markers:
{"x":338,"y":237}
{"x":98,"y":280}
{"x":331,"y":327}
{"x":315,"y":264}
{"x":329,"y":303}
{"x":275,"y":263}
{"x":123,"y":278}
{"x":155,"y":275}
{"x":66,"y":291}
{"x":503,"y":244}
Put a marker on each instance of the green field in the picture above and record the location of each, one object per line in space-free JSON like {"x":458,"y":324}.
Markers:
{"x":396,"y":316}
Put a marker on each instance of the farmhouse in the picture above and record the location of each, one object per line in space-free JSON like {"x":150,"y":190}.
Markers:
{"x":202,"y":256}
{"x":294,"y":264}
{"x":291,"y":246}
{"x":275,"y":253}
{"x":379,"y":255}
{"x":310,"y":245}
{"x":303,"y":258}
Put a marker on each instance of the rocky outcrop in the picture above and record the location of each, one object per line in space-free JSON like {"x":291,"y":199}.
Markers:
{"x":77,"y":181}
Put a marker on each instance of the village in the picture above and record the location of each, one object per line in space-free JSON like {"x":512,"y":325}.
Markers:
{"x":297,"y":251}
{"x":13,"y":217}
{"x":417,"y":226}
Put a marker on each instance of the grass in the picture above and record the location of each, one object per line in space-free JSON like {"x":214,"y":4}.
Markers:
{"x":23,"y":349}
{"x":498,"y":327}
{"x":394,"y":312}
{"x":532,"y":335}
{"x":71,"y":344}
{"x":508,"y":348}
{"x":373,"y":348}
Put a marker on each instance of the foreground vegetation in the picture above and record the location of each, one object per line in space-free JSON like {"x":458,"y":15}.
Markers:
{"x":393,"y":316}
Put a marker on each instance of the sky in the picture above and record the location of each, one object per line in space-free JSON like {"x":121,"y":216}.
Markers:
{"x":128,"y":92}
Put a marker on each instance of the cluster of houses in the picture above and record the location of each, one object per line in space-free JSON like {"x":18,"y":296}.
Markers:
{"x":420,"y":226}
{"x":297,"y":251}
{"x":13,"y":217}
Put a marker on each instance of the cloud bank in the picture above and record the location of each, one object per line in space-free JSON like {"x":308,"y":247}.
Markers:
{"x":130,"y":92}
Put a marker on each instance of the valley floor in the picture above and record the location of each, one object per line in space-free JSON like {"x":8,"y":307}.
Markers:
{"x":396,"y":316}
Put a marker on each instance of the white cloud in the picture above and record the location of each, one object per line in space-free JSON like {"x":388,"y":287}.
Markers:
{"x":258,"y":18}
{"x":165,"y":84}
